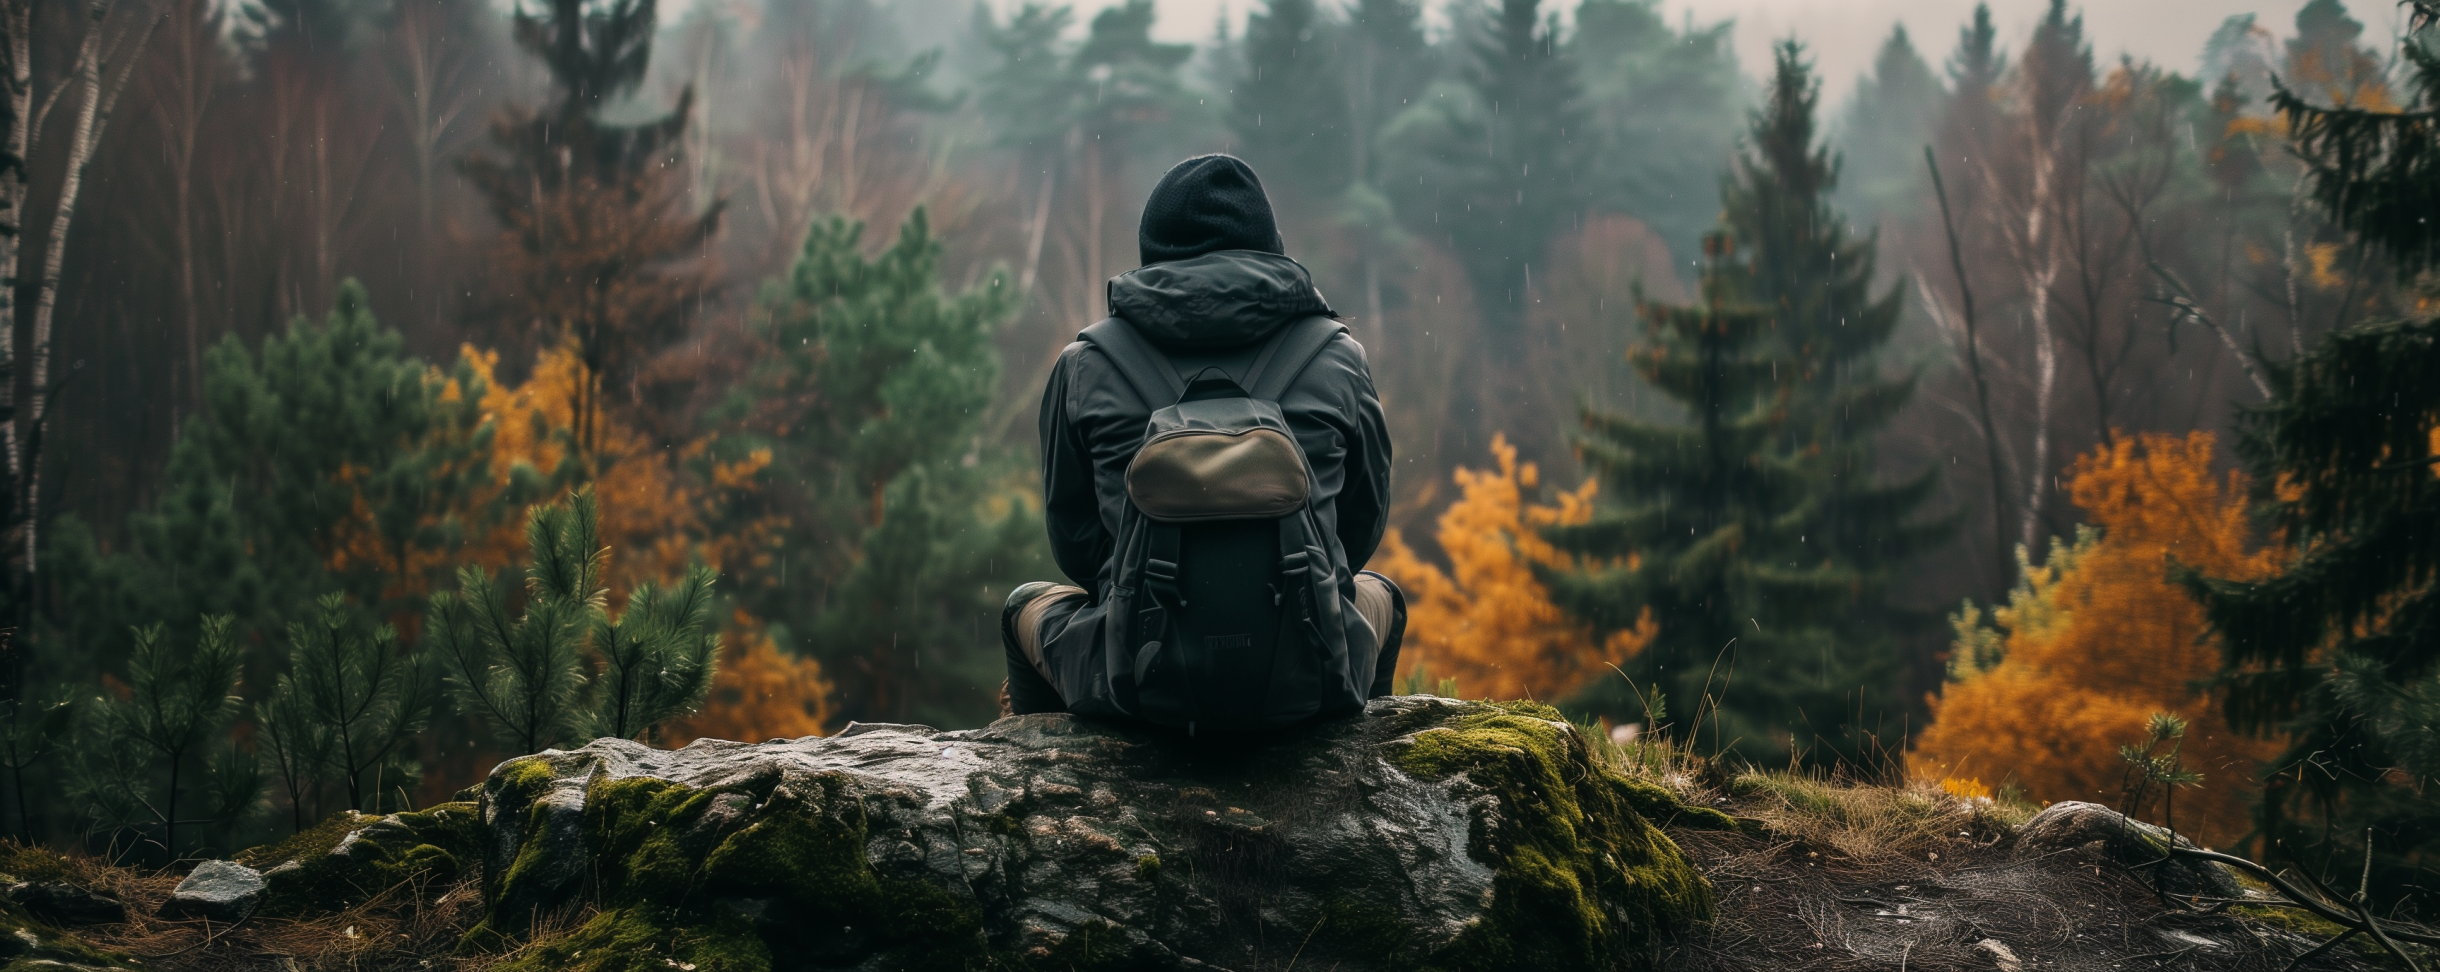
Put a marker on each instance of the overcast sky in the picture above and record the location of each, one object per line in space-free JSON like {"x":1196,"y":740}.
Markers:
{"x":1843,"y":34}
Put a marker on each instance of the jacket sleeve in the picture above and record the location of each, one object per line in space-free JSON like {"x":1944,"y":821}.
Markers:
{"x":1070,"y":508}
{"x":1364,"y":500}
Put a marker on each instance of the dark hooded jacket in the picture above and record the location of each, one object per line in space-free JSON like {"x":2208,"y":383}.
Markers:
{"x":1212,"y":310}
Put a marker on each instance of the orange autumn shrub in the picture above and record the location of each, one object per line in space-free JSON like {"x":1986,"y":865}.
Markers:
{"x":761,"y":692}
{"x":2097,"y":638}
{"x":1487,"y":621}
{"x":650,"y":514}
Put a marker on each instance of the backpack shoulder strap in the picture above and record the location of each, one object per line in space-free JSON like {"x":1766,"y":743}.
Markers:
{"x":1144,"y":367}
{"x":1286,"y":356}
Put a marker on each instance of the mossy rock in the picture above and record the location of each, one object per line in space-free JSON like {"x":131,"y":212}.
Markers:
{"x":28,"y":945}
{"x":350,"y":857}
{"x":1424,"y":834}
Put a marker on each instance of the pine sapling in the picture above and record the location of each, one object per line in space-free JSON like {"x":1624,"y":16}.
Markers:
{"x":657,"y":658}
{"x":178,"y":703}
{"x":525,"y":674}
{"x":30,"y":732}
{"x":2151,"y":768}
{"x":363,"y":694}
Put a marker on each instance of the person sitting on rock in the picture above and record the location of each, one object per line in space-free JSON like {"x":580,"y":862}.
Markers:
{"x":1215,"y":473}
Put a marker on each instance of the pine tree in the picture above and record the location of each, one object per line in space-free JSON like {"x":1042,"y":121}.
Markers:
{"x":2336,"y":651}
{"x":1816,"y":279}
{"x":349,"y":704}
{"x":1768,"y":509}
{"x":886,"y":519}
{"x":168,"y":740}
{"x":561,"y":666}
{"x":1388,"y":63}
{"x":1888,"y":121}
{"x":1704,"y":533}
{"x":327,"y":461}
{"x":1283,"y":110}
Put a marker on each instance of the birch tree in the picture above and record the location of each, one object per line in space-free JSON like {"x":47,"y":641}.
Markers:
{"x":112,"y":36}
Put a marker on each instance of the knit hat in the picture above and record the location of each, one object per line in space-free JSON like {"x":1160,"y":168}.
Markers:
{"x":1207,"y":203}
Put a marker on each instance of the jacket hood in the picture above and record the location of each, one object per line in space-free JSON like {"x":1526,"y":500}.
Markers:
{"x":1218,"y":300}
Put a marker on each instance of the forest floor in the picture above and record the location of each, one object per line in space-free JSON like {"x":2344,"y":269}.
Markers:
{"x":1914,"y":880}
{"x":1822,"y":876}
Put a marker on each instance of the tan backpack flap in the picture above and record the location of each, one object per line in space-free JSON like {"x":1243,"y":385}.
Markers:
{"x":1199,"y":475}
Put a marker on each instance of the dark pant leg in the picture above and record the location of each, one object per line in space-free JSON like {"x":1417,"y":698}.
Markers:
{"x":1385,"y":665}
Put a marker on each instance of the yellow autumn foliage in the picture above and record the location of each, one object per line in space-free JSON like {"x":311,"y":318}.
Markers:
{"x":2097,"y":638}
{"x":1487,"y":621}
{"x":652,"y":514}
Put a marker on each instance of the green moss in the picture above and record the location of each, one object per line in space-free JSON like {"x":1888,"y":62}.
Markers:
{"x":1148,"y":867}
{"x":31,"y":863}
{"x":303,"y":875}
{"x":2321,"y":929}
{"x":523,"y":779}
{"x":27,"y":945}
{"x":1582,"y":877}
{"x":673,"y":879}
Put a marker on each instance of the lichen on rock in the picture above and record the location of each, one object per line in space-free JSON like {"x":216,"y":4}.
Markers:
{"x":1424,"y":834}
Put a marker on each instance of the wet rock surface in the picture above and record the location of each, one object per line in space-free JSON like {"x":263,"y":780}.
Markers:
{"x":1423,"y":832}
{"x":222,"y":891}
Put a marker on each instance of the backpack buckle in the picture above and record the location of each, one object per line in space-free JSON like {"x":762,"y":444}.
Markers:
{"x":1161,"y":578}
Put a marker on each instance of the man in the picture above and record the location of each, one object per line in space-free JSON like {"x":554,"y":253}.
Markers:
{"x":1210,"y":620}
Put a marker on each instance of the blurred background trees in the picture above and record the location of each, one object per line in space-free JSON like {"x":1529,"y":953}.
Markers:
{"x":331,"y":295}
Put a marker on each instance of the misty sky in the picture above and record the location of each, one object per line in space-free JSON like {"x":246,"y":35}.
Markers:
{"x":1844,"y":33}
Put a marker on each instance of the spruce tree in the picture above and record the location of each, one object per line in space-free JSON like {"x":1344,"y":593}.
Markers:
{"x":1702,"y":530}
{"x":1888,"y":121}
{"x":2375,"y":173}
{"x":1779,"y":513}
{"x":1802,"y":263}
{"x":1663,"y":111}
{"x":1493,"y":173}
{"x":596,"y":248}
{"x":1284,"y":107}
{"x":2340,"y":652}
{"x":1524,"y":142}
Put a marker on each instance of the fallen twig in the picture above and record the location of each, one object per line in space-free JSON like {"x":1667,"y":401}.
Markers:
{"x":2352,"y":915}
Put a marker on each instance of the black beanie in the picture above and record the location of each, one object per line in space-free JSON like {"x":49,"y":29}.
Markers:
{"x":1207,"y":203}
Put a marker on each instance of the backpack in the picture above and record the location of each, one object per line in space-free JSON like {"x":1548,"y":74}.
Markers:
{"x":1225,"y":613}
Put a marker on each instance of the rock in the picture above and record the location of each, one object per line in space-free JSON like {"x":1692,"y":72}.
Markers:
{"x":222,"y":891}
{"x":26,"y":947}
{"x":350,"y":857}
{"x":2132,"y":843}
{"x":66,"y":905}
{"x":1425,"y":832}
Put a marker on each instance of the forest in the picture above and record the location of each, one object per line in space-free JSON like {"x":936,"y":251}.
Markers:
{"x":394,"y":387}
